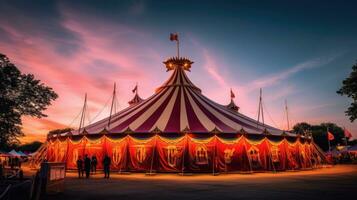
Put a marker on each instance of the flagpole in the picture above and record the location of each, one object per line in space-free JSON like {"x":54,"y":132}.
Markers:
{"x":136,"y":91}
{"x":178,"y":48}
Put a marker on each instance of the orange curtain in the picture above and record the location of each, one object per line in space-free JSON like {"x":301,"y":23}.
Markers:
{"x":75,"y":150}
{"x":171,"y":153}
{"x":232,"y":155}
{"x":117,"y":150}
{"x":292,"y":155}
{"x":308,"y":154}
{"x":279,"y":155}
{"x":141,"y":151}
{"x":265,"y":156}
{"x":94,"y":147}
{"x":201,"y":154}
{"x":51,"y":150}
{"x":303,"y":154}
{"x":61,"y":151}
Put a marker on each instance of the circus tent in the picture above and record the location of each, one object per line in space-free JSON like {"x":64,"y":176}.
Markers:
{"x":178,"y":129}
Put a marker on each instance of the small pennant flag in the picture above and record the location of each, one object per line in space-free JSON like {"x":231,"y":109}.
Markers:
{"x":232,"y":95}
{"x":135,"y":89}
{"x":173,"y":37}
{"x":347,"y":134}
{"x":330,"y":136}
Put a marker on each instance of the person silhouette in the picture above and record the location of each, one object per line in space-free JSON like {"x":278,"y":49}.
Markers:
{"x":94,"y":163}
{"x":106,"y":165}
{"x":80,"y":167}
{"x":87,"y":165}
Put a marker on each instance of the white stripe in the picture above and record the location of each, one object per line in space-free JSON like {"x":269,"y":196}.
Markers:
{"x":205,"y":121}
{"x":183,"y":113}
{"x":242,"y":118}
{"x":127,"y":116}
{"x":143,"y":117}
{"x":222,"y":118}
{"x":164,"y":118}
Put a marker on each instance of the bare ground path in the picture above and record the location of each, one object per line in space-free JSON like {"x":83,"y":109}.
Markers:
{"x":338,"y":182}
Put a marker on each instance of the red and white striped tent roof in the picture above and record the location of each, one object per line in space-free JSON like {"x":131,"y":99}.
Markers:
{"x":178,"y":106}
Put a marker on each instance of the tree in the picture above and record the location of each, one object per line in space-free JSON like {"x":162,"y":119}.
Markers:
{"x":30,"y":147}
{"x":301,"y":128}
{"x":20,"y":95}
{"x":349,"y":88}
{"x":319,"y":133}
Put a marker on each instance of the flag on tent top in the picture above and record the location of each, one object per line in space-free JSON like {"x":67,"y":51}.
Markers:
{"x":135,"y":89}
{"x":232,"y":94}
{"x":347,"y":133}
{"x":330,"y":136}
{"x":173,"y":37}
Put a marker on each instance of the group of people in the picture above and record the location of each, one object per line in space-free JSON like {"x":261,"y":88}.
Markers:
{"x":89,"y":165}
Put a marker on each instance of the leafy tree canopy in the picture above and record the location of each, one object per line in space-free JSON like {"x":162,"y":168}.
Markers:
{"x":30,"y":147}
{"x":20,"y":95}
{"x":319,"y":133}
{"x":349,"y":88}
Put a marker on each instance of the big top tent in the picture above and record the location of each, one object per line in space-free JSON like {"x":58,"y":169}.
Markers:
{"x":178,"y":129}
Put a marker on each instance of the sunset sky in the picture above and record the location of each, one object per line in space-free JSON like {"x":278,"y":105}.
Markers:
{"x":299,"y":51}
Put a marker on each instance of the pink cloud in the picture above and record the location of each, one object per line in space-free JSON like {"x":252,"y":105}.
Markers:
{"x":73,"y":75}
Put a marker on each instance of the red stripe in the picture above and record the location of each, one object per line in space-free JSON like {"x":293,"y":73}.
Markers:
{"x":134,"y":117}
{"x":188,"y":80}
{"x":228,"y":116}
{"x":173,"y":125}
{"x":146,"y":126}
{"x":193,"y":121}
{"x":119,"y":115}
{"x":218,"y":123}
{"x":174,"y":77}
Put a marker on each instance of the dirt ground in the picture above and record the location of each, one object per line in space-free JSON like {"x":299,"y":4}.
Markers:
{"x":337,"y":182}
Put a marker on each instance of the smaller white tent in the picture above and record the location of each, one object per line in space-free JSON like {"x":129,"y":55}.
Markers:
{"x":13,"y":153}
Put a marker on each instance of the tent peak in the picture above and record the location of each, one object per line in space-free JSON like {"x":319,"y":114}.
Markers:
{"x":175,"y":62}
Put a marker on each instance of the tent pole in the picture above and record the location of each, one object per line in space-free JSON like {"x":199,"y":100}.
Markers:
{"x":183,"y":154}
{"x":83,"y":113}
{"x":84,"y":146}
{"x":286,"y":154}
{"x":246,"y":151}
{"x":127,"y":153}
{"x":287,"y":114}
{"x":260,"y":98}
{"x":67,"y":150}
{"x":271,"y":158}
{"x":261,"y":106}
{"x":153,"y":154}
{"x":214,"y":155}
{"x":111,"y":107}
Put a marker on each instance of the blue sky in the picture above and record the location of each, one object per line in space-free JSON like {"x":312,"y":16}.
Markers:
{"x":295,"y":50}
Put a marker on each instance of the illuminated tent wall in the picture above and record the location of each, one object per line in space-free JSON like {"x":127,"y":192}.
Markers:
{"x":178,"y":129}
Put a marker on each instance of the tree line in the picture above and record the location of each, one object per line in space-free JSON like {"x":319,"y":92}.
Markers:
{"x":319,"y":134}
